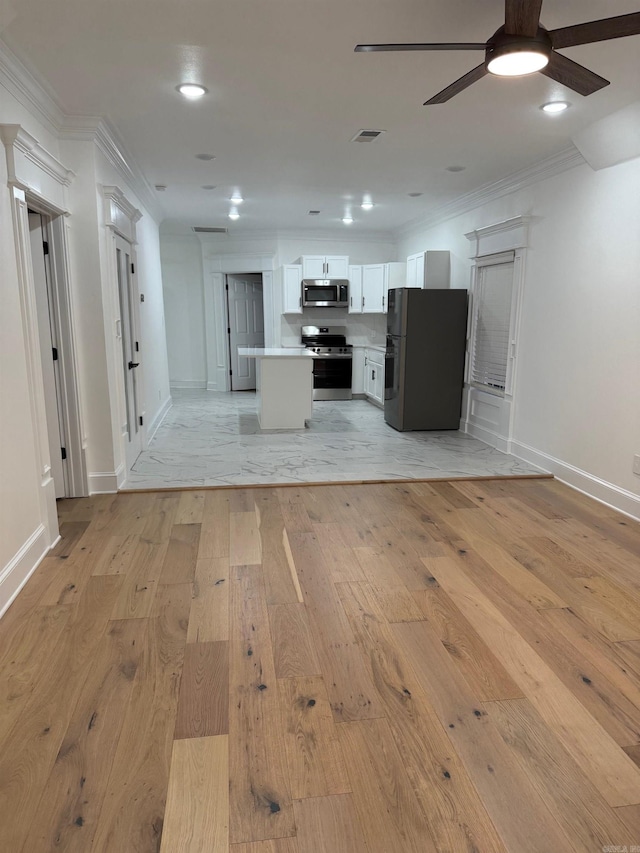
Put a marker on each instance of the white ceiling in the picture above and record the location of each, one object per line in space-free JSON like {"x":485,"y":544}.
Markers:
{"x":287,"y":93}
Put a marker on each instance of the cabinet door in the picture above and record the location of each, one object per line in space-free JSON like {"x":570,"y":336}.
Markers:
{"x":355,"y":290}
{"x":412,"y":265}
{"x":373,"y":289}
{"x":368,"y":379}
{"x":314,"y":266}
{"x":419,"y":277}
{"x":337,"y":266}
{"x":378,"y":382}
{"x":291,"y":289}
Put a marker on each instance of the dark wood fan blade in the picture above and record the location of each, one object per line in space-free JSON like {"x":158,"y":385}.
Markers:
{"x":370,"y":48}
{"x":607,"y":28}
{"x":522,"y":17}
{"x":572,"y":75}
{"x":461,"y":83}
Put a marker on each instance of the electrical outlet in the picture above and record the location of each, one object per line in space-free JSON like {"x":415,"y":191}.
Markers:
{"x":636,"y":464}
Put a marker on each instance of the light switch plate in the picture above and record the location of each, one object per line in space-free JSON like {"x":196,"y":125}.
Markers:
{"x":636,"y":464}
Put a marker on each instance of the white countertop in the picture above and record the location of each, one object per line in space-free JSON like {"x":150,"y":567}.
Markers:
{"x":275,"y":352}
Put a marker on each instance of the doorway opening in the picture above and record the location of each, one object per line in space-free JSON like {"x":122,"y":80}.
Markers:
{"x":245,"y":326}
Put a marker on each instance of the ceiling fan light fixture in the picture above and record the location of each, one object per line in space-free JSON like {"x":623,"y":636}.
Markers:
{"x":515,"y":61}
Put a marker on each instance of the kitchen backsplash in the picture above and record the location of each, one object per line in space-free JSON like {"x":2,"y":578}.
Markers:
{"x":360,"y":329}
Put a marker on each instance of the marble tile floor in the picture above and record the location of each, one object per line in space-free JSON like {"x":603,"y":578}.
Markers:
{"x":210,"y":438}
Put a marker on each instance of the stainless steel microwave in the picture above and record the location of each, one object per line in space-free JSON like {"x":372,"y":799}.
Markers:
{"x":325,"y":292}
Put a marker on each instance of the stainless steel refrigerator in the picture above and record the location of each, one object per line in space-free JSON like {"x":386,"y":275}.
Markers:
{"x":424,"y":363}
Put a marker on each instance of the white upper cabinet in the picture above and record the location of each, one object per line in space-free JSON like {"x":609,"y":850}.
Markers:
{"x":355,"y":289}
{"x":395,"y":275}
{"x":325,"y":266}
{"x":377,"y":280}
{"x":430,"y":270}
{"x":292,"y":289}
{"x":374,"y":289}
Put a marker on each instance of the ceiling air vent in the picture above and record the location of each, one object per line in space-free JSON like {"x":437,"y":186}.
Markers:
{"x":204,"y":229}
{"x":314,"y":213}
{"x":367,"y":135}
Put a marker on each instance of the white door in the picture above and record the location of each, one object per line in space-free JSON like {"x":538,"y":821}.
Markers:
{"x":128,"y":296}
{"x":47,"y":334}
{"x":246,"y":326}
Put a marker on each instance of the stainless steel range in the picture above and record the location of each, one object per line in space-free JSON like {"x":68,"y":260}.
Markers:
{"x":332,"y":361}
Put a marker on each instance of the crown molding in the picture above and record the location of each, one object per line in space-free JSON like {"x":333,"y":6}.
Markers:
{"x":564,"y":160}
{"x":28,"y":90}
{"x":98,"y":130}
{"x":17,"y":140}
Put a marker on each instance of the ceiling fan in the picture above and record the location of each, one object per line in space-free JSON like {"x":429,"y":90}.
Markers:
{"x":523,"y":46}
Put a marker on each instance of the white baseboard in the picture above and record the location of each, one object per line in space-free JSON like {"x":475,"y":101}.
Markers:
{"x":160,"y":416}
{"x":600,"y":490}
{"x":103,"y":482}
{"x":121,"y":475}
{"x":488,"y":436}
{"x":189,"y":383}
{"x":20,"y":568}
{"x":212,"y":386}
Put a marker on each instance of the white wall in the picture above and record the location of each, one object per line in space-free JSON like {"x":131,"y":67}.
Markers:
{"x":577,"y":401}
{"x":28,"y":522}
{"x":182,"y":283}
{"x":23,"y":539}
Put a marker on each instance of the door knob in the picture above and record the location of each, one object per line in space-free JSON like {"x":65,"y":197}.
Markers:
{"x":133,"y":364}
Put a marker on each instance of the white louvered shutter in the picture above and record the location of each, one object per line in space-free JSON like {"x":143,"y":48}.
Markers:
{"x":492,"y":323}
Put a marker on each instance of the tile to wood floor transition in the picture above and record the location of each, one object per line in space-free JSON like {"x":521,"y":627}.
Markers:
{"x":448,"y":667}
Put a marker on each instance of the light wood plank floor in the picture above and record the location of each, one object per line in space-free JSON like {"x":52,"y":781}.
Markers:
{"x":449,"y":667}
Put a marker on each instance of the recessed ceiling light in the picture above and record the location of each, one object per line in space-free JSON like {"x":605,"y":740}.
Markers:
{"x":208,"y":187}
{"x":555,"y":107}
{"x":414,"y":195}
{"x":366,"y":205}
{"x":191,"y":91}
{"x":236,"y":198}
{"x":347,"y":220}
{"x":206,"y":157}
{"x":455,"y":168}
{"x":233,"y":214}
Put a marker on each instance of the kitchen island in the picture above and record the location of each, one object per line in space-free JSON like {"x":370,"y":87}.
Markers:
{"x":284,"y":385}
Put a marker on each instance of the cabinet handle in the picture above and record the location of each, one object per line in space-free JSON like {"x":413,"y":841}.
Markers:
{"x":300,"y":302}
{"x":351,"y":301}
{"x":383,"y":303}
{"x":373,"y":375}
{"x":363,"y":301}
